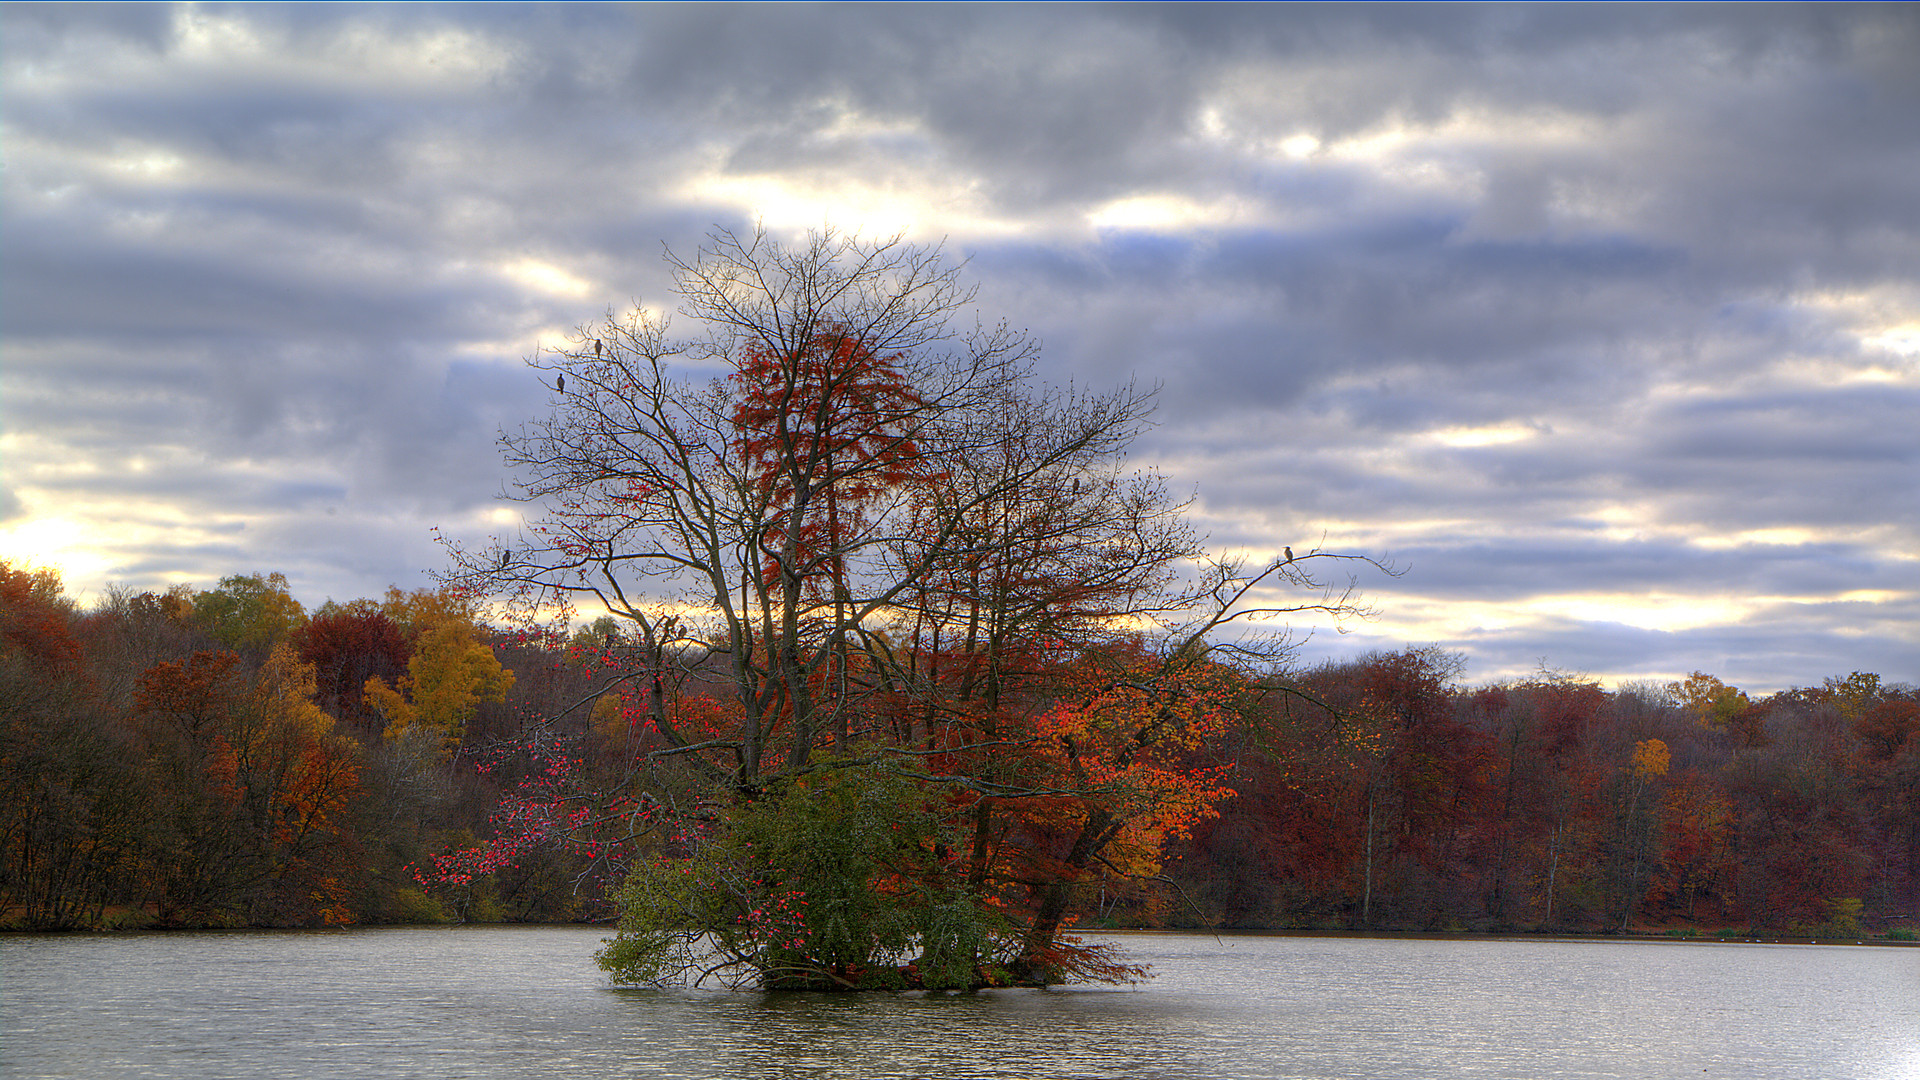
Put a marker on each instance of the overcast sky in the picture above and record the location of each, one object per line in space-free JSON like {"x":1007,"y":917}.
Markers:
{"x":1603,"y":323}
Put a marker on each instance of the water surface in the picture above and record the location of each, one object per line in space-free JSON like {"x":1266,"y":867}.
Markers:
{"x":526,"y":1002}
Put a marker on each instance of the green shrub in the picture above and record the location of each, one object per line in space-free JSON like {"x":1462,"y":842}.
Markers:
{"x":831,"y":883}
{"x":1844,"y":921}
{"x":415,"y":906}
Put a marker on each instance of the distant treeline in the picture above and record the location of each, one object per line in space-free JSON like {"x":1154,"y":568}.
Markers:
{"x":226,"y":758}
{"x":1379,"y":794}
{"x":223,"y":758}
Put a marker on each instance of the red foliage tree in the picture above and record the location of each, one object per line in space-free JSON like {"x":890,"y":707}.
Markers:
{"x":825,"y":427}
{"x":72,"y":818}
{"x":35,"y":621}
{"x":347,"y":646}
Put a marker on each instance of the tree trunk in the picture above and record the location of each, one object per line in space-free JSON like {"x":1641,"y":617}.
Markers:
{"x":1033,"y":967}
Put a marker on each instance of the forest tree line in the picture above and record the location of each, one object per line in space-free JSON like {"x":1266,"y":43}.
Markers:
{"x":214,"y":758}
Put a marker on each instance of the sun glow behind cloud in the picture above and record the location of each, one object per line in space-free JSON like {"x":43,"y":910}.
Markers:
{"x":1493,"y":435}
{"x":792,"y":205}
{"x":1167,"y":213}
{"x":1775,"y":537}
{"x":1900,"y":340}
{"x":71,"y":540}
{"x":867,"y":173}
{"x":1437,"y":619}
{"x":60,"y":542}
{"x":547,"y":278}
{"x":921,"y":207}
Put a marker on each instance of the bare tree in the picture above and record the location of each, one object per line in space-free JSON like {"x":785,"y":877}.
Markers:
{"x":786,"y":481}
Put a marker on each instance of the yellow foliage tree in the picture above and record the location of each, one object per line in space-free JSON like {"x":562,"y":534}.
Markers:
{"x":422,"y":610}
{"x":1712,"y":703}
{"x":298,"y":777}
{"x":1853,"y":695}
{"x":1650,"y":759}
{"x":451,"y":673}
{"x":282,"y":696}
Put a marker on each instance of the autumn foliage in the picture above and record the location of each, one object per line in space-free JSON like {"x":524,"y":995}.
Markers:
{"x":1555,"y":804}
{"x":853,"y":658}
{"x":151,"y":775}
{"x":1106,"y":783}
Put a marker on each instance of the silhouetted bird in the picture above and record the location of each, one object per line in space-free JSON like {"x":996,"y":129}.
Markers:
{"x":596,"y":346}
{"x":1289,"y":551}
{"x":560,"y":384}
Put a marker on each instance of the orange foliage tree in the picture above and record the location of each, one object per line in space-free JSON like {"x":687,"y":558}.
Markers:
{"x":252,"y":789}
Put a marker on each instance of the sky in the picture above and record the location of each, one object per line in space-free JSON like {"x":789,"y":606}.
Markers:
{"x":1600,"y":323}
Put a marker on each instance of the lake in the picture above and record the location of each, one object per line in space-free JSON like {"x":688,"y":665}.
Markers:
{"x":526,"y":1002}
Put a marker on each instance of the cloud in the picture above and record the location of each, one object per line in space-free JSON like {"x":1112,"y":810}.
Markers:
{"x":1601,"y":319}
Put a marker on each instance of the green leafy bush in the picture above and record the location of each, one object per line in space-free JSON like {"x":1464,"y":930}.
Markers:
{"x":837,"y":880}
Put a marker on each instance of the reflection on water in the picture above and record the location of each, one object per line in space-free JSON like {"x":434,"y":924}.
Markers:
{"x":528,"y":1002}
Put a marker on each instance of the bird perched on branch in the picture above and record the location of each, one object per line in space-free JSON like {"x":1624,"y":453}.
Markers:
{"x":559,"y":384}
{"x":1289,"y":550}
{"x":596,"y":346}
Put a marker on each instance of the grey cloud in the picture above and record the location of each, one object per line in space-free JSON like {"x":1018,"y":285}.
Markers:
{"x":253,"y":283}
{"x":316,"y":291}
{"x":1515,"y":568}
{"x":38,"y":27}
